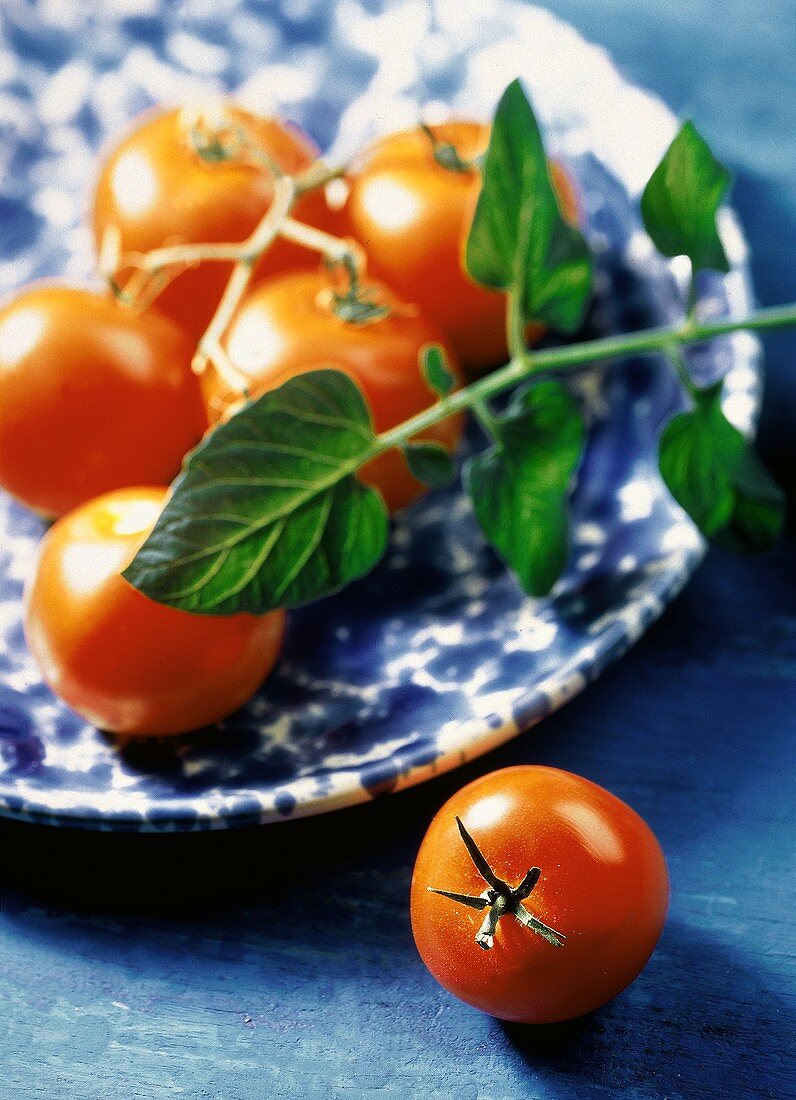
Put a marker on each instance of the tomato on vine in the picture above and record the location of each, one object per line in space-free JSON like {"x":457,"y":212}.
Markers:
{"x":515,"y":235}
{"x":122,"y":661}
{"x":411,"y":200}
{"x":537,"y":896}
{"x":292,"y":324}
{"x":92,"y":397}
{"x":173,"y":182}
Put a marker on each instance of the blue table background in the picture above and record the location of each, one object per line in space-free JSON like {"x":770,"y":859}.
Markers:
{"x":279,"y":962}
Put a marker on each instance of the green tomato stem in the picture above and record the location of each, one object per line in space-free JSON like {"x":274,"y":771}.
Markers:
{"x":261,"y":239}
{"x":677,"y":360}
{"x":486,"y":419}
{"x":558,"y":361}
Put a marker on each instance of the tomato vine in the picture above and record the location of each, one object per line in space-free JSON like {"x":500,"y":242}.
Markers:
{"x":274,"y":545}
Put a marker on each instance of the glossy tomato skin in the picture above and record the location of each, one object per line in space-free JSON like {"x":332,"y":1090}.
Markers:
{"x":122,"y":661}
{"x":604,"y":885}
{"x":412,"y":216}
{"x":286,"y":327}
{"x":92,"y":397}
{"x":156,"y":190}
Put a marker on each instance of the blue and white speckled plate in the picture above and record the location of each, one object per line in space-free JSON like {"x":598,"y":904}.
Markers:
{"x":437,"y":656}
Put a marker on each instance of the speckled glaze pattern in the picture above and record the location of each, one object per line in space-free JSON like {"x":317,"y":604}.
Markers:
{"x":436,"y":656}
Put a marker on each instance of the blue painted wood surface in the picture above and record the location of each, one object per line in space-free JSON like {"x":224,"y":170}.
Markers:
{"x":279,"y":962}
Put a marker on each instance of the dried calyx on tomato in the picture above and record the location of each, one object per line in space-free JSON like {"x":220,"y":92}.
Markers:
{"x":500,"y":899}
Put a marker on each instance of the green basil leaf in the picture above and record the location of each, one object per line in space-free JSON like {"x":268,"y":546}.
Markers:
{"x":682,"y":197}
{"x":268,"y":511}
{"x":713,"y":473}
{"x":518,"y":240}
{"x":560,"y":294}
{"x":435,"y":371}
{"x":519,"y":487}
{"x":430,"y":463}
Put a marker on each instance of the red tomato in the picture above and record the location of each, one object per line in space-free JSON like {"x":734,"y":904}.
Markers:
{"x":156,"y":190}
{"x":286,"y":327}
{"x":92,"y":397}
{"x":412,"y":216}
{"x":603,"y":892}
{"x":124,"y":662}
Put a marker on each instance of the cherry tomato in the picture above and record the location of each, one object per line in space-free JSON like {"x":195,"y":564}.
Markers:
{"x":602,"y":895}
{"x":92,"y":397}
{"x":412,"y":216}
{"x":156,"y":190}
{"x":287,"y":326}
{"x":122,"y":661}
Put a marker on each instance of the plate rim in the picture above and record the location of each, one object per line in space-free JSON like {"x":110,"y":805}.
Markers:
{"x":172,"y":814}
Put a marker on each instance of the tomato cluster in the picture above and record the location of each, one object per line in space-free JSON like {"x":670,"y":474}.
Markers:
{"x":99,"y":403}
{"x":156,"y":189}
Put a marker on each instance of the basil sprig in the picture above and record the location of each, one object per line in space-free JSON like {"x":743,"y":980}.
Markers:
{"x":270,"y":511}
{"x":709,"y":467}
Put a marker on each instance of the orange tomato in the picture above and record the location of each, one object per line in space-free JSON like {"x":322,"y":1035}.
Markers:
{"x":92,"y":397}
{"x":286,"y":327}
{"x":122,"y":661}
{"x":412,"y":216}
{"x":156,"y":190}
{"x":603,"y":888}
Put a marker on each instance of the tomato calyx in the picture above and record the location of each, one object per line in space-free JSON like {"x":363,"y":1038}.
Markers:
{"x":216,"y":138}
{"x":499,"y":899}
{"x":447,"y":155}
{"x":210,"y":134}
{"x":357,"y":307}
{"x":353,"y":303}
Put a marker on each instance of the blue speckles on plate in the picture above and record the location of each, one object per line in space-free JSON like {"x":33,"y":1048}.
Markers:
{"x":436,"y":656}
